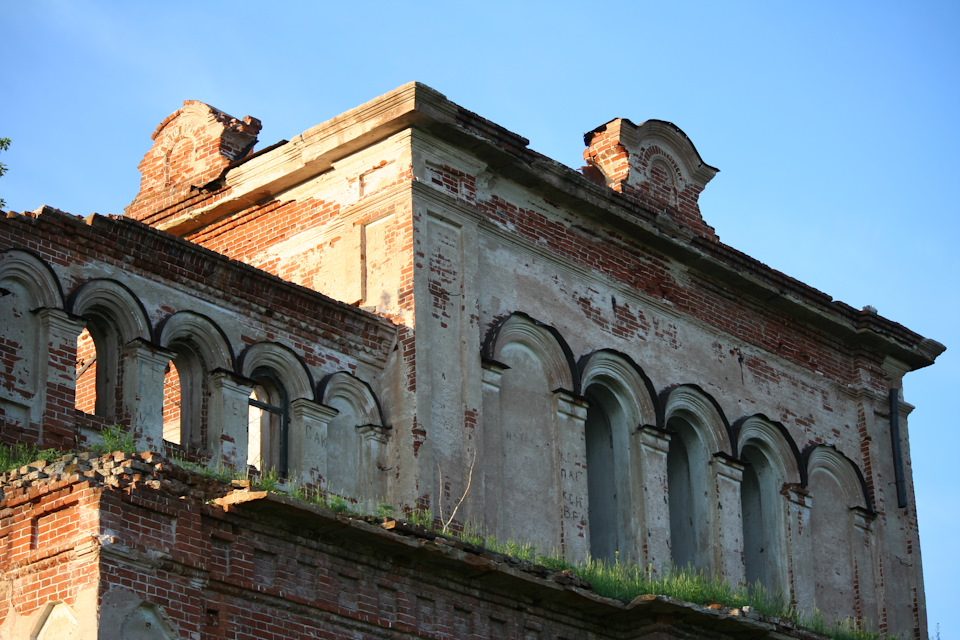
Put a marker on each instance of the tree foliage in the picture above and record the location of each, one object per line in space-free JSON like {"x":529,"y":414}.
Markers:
{"x":4,"y":145}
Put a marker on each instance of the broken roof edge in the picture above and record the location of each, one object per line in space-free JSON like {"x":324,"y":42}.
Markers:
{"x":417,"y":105}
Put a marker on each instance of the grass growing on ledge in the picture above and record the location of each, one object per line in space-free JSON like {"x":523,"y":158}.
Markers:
{"x":622,"y":581}
{"x":14,"y":457}
{"x":625,"y":581}
{"x":115,"y":438}
{"x":618,"y":580}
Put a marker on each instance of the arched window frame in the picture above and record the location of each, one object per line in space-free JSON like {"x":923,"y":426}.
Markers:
{"x":855,"y":515}
{"x":351,"y":396}
{"x":278,"y":364}
{"x":776,"y":462}
{"x":115,"y":318}
{"x":199,"y":347}
{"x":23,"y":397}
{"x":628,"y":398}
{"x":700,"y":434}
{"x":555,"y":490}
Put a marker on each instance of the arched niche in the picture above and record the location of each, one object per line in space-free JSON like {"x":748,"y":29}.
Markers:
{"x":199,"y":347}
{"x":28,"y":290}
{"x":530,"y":425}
{"x":356,"y":437}
{"x":113,"y":317}
{"x":620,"y":400}
{"x":838,"y":496}
{"x":699,"y":431}
{"x":771,"y":460}
{"x":539,"y":338}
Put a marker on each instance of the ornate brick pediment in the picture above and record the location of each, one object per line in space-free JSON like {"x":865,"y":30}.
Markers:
{"x":191,"y":147}
{"x":653,"y":162}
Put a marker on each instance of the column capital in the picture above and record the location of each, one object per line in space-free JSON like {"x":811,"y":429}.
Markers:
{"x":727,"y":466}
{"x":654,"y":437}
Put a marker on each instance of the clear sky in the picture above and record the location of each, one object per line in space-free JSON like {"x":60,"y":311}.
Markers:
{"x":834,"y":124}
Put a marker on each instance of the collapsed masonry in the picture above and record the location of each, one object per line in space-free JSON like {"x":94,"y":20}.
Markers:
{"x":403,"y":290}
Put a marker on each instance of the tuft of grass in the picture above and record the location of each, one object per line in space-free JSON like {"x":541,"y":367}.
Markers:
{"x":384,"y":510}
{"x":15,"y":456}
{"x":220,"y":471}
{"x":848,"y":629}
{"x":115,"y":438}
{"x":339,"y":504}
{"x":269,"y":481}
{"x":422,"y":517}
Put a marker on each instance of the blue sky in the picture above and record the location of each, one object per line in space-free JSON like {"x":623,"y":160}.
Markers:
{"x":835,"y":127}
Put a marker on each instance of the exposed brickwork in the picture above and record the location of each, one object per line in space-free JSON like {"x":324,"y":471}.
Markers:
{"x":191,"y":148}
{"x":328,"y":336}
{"x":218,"y":562}
{"x":554,"y":305}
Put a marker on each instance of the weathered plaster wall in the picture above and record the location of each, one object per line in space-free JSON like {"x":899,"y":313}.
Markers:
{"x":579,"y":350}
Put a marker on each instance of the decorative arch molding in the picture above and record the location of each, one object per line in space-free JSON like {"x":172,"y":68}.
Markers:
{"x":540,"y":338}
{"x":701,"y":410}
{"x":660,"y":139}
{"x":283,"y":362}
{"x":619,"y":373}
{"x":201,"y":334}
{"x":34,"y":275}
{"x":346,"y":387}
{"x":111,"y":301}
{"x":843,"y":469}
{"x":774,"y":439}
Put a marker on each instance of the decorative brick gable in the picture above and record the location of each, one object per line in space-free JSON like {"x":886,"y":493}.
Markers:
{"x":654,"y":163}
{"x":191,"y":148}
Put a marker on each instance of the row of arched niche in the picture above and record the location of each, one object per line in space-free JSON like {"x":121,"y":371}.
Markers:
{"x":666,"y":477}
{"x":180,"y":382}
{"x":669,"y":479}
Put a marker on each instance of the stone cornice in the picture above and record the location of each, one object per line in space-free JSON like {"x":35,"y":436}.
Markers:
{"x":505,"y":153}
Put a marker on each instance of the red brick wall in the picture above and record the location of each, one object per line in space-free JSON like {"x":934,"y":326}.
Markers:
{"x":328,"y":336}
{"x":278,"y":569}
{"x":41,"y":528}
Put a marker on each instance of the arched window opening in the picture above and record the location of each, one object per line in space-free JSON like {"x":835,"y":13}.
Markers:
{"x":86,"y":396}
{"x":608,"y":475}
{"x":97,"y":372}
{"x":171,"y":405}
{"x":761,"y":519}
{"x":268,"y":425}
{"x":184,"y":391}
{"x":687,"y":491}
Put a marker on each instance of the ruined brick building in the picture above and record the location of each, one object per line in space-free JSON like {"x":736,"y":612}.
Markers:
{"x":398,"y":303}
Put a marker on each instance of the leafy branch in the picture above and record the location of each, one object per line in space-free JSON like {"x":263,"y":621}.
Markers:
{"x":4,"y":145}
